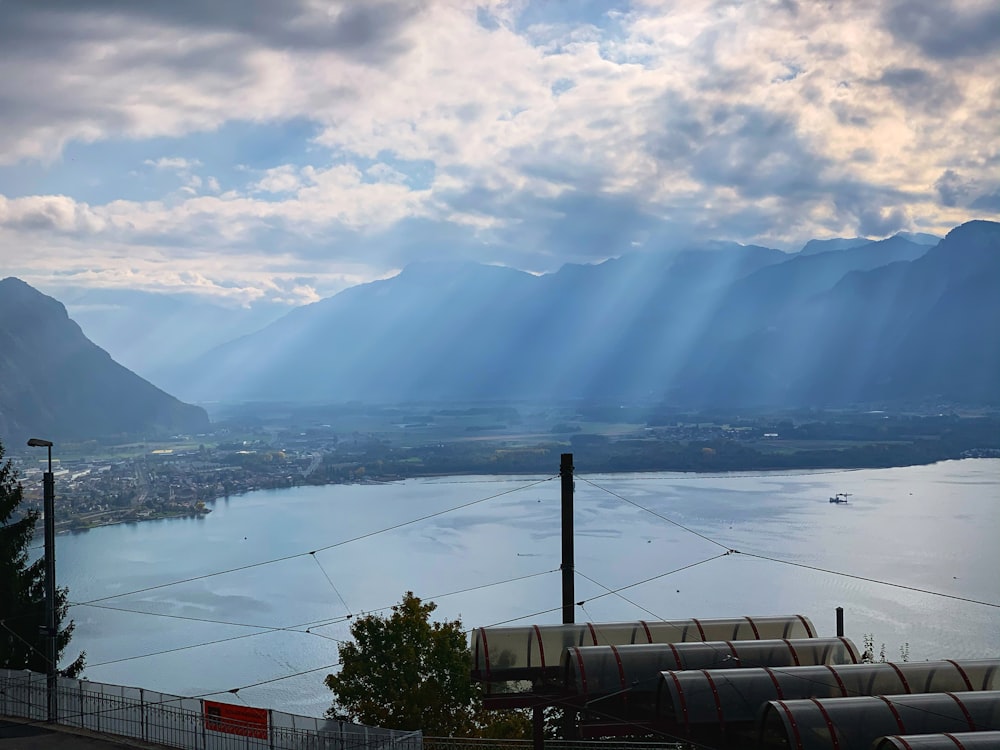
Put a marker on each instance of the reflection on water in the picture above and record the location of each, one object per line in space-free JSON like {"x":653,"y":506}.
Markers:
{"x":928,"y":527}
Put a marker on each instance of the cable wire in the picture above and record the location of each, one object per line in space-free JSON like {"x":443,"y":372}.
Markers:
{"x":658,"y":515}
{"x":789,"y":562}
{"x":871,"y":580}
{"x":341,"y":543}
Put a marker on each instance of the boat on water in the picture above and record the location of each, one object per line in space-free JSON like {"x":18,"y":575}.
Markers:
{"x":840,"y":498}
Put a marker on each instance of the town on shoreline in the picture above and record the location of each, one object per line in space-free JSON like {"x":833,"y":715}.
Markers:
{"x":102,"y":483}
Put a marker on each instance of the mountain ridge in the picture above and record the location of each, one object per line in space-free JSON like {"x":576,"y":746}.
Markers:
{"x":56,"y":383}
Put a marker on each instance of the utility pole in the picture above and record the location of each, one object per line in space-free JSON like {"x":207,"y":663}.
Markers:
{"x":50,"y":630}
{"x":568,"y":594}
{"x":566,"y":475}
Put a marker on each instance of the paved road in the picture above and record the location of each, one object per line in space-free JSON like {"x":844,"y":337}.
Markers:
{"x":24,"y":736}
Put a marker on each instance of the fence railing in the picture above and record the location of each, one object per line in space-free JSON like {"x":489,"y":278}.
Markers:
{"x":188,"y":723}
{"x":458,"y":743}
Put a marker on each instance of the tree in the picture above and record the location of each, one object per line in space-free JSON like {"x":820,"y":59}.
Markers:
{"x":405,"y":672}
{"x":22,"y":587}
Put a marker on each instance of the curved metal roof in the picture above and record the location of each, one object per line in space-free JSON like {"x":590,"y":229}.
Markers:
{"x":855,"y":723}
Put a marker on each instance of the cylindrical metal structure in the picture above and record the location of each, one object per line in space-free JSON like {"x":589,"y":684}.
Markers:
{"x":943,"y":741}
{"x":855,"y":723}
{"x":734,"y":696}
{"x":621,"y":683}
{"x":590,"y":672}
{"x":513,"y":650}
{"x":523,"y":660}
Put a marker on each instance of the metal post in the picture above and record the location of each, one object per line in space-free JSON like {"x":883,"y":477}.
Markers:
{"x":566,"y":473}
{"x":840,"y":622}
{"x":51,"y":632}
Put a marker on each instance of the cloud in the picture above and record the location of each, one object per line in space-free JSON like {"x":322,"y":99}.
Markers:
{"x":173,"y":163}
{"x":946,"y":29}
{"x":519,"y":132}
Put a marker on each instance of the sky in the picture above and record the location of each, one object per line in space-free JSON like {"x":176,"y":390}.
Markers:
{"x":282,"y":150}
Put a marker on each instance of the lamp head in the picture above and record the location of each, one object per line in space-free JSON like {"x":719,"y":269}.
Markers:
{"x":39,"y":443}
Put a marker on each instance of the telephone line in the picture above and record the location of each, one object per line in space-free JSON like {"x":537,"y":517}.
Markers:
{"x":658,"y":515}
{"x":367,"y":535}
{"x":796,"y":564}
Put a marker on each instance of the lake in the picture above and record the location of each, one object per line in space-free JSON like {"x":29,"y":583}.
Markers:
{"x":928,"y":527}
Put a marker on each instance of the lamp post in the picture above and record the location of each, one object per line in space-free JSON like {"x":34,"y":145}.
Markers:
{"x":49,"y":493}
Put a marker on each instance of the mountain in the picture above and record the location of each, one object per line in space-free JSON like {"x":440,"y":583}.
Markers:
{"x":467,"y":331}
{"x":911,"y":331}
{"x":56,"y":384}
{"x":152,"y":333}
{"x":718,"y":324}
{"x":812,"y":247}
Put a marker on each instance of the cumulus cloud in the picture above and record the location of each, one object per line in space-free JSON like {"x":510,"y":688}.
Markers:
{"x":508,"y":131}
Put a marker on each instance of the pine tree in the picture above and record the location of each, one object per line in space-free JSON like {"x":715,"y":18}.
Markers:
{"x":22,"y":587}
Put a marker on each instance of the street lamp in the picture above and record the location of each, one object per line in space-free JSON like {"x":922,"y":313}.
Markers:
{"x":49,"y":492}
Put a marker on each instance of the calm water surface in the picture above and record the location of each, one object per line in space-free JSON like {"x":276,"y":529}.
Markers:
{"x":928,"y":527}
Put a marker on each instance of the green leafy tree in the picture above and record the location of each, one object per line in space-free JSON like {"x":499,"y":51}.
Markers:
{"x":406,"y":672}
{"x":22,"y":587}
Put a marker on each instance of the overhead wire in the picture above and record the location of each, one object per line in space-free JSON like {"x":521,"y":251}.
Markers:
{"x":790,"y":562}
{"x":658,"y":515}
{"x":310,"y":627}
{"x":332,"y":584}
{"x":871,"y":580}
{"x":341,"y":543}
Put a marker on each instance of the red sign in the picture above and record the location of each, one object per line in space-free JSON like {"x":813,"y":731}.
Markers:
{"x":241,"y":720}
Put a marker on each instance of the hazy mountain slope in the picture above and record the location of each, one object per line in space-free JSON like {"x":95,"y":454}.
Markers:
{"x":812,"y":247}
{"x":909,"y":331}
{"x":770,"y":295}
{"x":452,"y":331}
{"x":152,"y":333}
{"x":57,"y":384}
{"x":722,"y":325}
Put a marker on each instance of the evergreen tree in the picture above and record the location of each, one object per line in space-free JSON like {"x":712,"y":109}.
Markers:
{"x":22,"y":587}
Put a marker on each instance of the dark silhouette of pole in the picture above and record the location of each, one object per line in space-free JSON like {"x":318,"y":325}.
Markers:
{"x":840,"y":622}
{"x":51,"y":632}
{"x":568,"y":594}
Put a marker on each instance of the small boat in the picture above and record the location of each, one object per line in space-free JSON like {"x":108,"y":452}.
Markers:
{"x":840,"y":498}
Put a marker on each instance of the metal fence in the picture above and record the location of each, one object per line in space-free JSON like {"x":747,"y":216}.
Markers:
{"x":457,"y":743}
{"x":190,"y":723}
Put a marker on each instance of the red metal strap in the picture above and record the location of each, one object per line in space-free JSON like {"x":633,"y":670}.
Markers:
{"x":906,"y":745}
{"x":593,"y":633}
{"x":541,"y":648}
{"x":621,"y":669}
{"x":968,"y":716}
{"x":777,"y":685}
{"x":649,"y":636}
{"x":683,"y":702}
{"x":956,"y":665}
{"x":583,"y":672}
{"x":840,"y":682}
{"x":677,"y":656}
{"x":734,"y":653}
{"x":895,"y":713}
{"x":700,"y":629}
{"x":829,"y":724}
{"x":795,"y":727}
{"x":954,"y":739}
{"x":850,"y":650}
{"x":902,"y":677}
{"x":718,"y":703}
{"x":809,"y":630}
{"x":753,"y":625}
{"x":791,"y":650}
